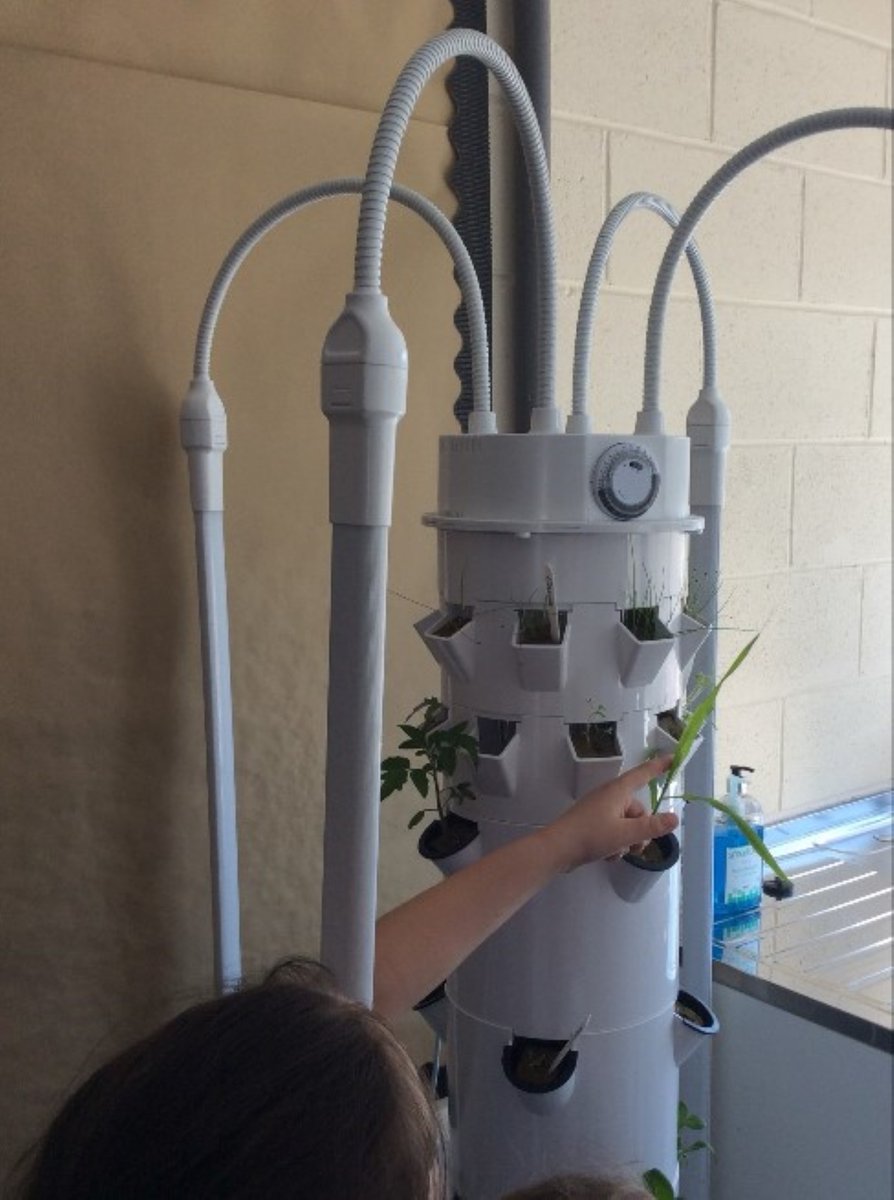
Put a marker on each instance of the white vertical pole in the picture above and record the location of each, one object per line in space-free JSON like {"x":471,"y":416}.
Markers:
{"x":364,"y":395}
{"x":708,"y":426}
{"x":203,"y":434}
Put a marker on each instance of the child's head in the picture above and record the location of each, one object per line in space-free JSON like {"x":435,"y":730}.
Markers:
{"x":282,"y":1090}
{"x":582,"y":1187}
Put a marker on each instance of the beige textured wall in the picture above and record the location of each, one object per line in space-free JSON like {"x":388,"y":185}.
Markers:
{"x":137,"y":142}
{"x":649,"y":95}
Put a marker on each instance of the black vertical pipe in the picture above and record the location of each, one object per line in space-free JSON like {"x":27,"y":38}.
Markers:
{"x":531,"y":51}
{"x":469,"y":133}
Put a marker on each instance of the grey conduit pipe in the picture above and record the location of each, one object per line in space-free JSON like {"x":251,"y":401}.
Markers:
{"x":579,"y":421}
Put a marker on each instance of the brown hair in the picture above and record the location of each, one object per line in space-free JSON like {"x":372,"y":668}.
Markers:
{"x":582,"y":1187}
{"x":282,"y":1090}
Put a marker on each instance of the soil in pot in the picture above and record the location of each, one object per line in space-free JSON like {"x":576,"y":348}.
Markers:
{"x":452,"y":625}
{"x":671,"y":724}
{"x":494,"y":735}
{"x":644,"y":624}
{"x":441,"y":838}
{"x":659,"y":855}
{"x":691,"y":1010}
{"x":527,"y":1064}
{"x":596,"y":739}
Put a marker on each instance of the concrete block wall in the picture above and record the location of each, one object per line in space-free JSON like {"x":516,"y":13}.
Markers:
{"x":648,"y":95}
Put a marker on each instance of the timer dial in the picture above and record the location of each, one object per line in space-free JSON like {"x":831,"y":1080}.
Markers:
{"x":625,"y":481}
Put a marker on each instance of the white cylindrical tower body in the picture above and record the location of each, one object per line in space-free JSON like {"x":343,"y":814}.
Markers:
{"x":608,"y":521}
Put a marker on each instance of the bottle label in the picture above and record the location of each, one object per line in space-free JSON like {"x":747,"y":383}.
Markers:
{"x":743,"y":876}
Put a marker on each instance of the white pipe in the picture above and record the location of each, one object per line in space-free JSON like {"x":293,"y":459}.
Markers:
{"x":354,"y":724}
{"x":579,"y":421}
{"x":203,"y":434}
{"x":364,"y":395}
{"x":219,"y":748}
{"x":462,"y":263}
{"x":649,"y":419}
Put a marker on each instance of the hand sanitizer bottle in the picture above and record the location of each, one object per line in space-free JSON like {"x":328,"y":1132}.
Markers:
{"x":737,"y":868}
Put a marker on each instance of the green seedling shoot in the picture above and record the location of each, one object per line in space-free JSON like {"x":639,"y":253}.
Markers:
{"x":656,"y":1182}
{"x":693,"y":723}
{"x":438,"y":751}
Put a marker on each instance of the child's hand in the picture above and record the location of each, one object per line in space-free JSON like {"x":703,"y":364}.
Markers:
{"x":610,"y":821}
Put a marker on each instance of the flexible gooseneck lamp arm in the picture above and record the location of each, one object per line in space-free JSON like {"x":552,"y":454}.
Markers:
{"x":363,"y":395}
{"x":579,"y":420}
{"x":708,"y":427}
{"x":383,"y":160}
{"x":204,"y":436}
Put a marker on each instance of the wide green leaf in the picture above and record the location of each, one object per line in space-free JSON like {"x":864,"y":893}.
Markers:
{"x":747,"y":831}
{"x":419,"y":777}
{"x":658,"y":1184}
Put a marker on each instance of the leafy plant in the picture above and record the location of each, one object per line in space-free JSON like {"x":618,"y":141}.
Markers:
{"x":657,"y":1183}
{"x":702,"y":706}
{"x":438,"y":751}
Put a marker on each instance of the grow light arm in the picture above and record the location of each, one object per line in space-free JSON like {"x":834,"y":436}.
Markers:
{"x":364,"y":377}
{"x":203,"y":434}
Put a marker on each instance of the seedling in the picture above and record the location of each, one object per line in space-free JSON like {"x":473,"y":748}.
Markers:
{"x":438,"y":752}
{"x":656,"y":1181}
{"x":596,"y":737}
{"x":542,"y":626}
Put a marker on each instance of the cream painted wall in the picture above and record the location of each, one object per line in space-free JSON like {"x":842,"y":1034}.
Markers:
{"x":137,"y":143}
{"x":649,"y":95}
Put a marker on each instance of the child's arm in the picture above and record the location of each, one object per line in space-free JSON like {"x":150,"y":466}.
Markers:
{"x":420,"y":942}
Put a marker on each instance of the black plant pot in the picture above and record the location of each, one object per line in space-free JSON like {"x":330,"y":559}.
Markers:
{"x":442,"y":840}
{"x":636,"y":874}
{"x":544,"y":1093}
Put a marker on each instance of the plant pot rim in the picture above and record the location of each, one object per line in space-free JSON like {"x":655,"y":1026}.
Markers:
{"x":465,"y":830}
{"x":670,"y":848}
{"x":565,"y":1070}
{"x":706,"y":1020}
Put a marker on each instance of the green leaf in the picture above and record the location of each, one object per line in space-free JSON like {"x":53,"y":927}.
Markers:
{"x":747,"y":831}
{"x":658,"y":1184}
{"x":699,"y":1145}
{"x":419,"y":776}
{"x":416,"y":818}
{"x":687,"y":1119}
{"x":447,"y":760}
{"x":415,"y":739}
{"x":694,"y":722}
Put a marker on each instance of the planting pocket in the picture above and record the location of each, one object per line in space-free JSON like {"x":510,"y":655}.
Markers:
{"x":636,"y":874}
{"x":497,"y":771}
{"x":527,"y":1063}
{"x":542,"y":664}
{"x":595,"y":754}
{"x":450,"y":638}
{"x":642,"y":648}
